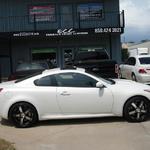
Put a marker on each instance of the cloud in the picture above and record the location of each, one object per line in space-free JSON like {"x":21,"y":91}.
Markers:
{"x":137,"y":13}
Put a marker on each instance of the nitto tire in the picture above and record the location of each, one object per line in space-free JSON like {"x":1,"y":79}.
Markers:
{"x":136,"y":109}
{"x":23,"y":115}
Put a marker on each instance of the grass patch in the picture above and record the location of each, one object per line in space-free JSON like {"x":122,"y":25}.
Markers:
{"x":4,"y":145}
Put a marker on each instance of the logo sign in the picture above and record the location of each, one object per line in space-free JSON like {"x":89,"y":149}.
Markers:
{"x":25,"y":34}
{"x":65,"y":32}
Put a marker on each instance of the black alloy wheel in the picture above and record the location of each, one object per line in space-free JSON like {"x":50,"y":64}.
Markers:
{"x":23,"y":115}
{"x":136,"y":109}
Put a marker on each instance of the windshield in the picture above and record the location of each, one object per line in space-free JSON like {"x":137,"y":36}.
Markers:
{"x":106,"y":80}
{"x":144,"y":60}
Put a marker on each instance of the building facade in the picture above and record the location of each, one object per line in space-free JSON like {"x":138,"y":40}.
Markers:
{"x":51,"y":29}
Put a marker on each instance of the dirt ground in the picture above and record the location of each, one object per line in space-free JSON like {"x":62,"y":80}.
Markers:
{"x":79,"y":134}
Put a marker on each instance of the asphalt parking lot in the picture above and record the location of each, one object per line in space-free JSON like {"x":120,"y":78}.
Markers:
{"x":80,"y":134}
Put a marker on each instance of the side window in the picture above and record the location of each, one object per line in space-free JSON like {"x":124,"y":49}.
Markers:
{"x":75,"y":80}
{"x":132,"y":61}
{"x":46,"y":81}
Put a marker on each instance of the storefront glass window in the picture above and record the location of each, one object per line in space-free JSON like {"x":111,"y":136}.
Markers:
{"x":48,"y":54}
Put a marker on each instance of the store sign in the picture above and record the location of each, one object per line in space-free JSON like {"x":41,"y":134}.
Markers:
{"x":71,"y":31}
{"x":42,"y":13}
{"x":25,"y":34}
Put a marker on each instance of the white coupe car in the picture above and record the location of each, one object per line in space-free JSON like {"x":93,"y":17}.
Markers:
{"x":72,"y":93}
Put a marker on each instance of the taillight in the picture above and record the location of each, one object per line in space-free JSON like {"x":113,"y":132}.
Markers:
{"x":116,"y":68}
{"x":142,"y":71}
{"x":1,"y":89}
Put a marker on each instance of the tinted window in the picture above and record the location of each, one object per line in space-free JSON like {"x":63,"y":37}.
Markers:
{"x":46,"y":81}
{"x":145,"y":60}
{"x":75,"y":80}
{"x":131,"y":61}
{"x":91,"y":55}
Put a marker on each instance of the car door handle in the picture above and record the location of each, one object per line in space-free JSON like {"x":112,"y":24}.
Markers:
{"x":65,"y":93}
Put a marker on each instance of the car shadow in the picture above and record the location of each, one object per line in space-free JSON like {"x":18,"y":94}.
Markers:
{"x":6,"y":122}
{"x":81,"y":121}
{"x":60,"y":122}
{"x":105,"y":120}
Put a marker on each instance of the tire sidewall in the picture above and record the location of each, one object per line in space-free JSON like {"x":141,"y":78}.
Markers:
{"x":34,"y":119}
{"x":128,"y":103}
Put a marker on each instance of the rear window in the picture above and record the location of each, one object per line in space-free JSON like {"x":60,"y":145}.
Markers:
{"x":91,"y":55}
{"x":30,"y":76}
{"x":144,"y":60}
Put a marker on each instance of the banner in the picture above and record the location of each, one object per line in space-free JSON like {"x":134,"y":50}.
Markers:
{"x":42,"y":13}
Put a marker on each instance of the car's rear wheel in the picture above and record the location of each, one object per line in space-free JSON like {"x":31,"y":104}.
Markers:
{"x":133,"y":77}
{"x":136,"y":109}
{"x":23,"y":115}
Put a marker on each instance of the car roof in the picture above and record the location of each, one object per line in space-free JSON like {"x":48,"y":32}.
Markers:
{"x":58,"y":70}
{"x":142,"y":56}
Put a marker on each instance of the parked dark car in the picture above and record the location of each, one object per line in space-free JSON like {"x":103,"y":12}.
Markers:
{"x":28,"y":68}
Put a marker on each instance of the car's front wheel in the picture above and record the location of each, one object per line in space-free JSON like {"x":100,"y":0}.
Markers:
{"x":23,"y":115}
{"x":136,"y":109}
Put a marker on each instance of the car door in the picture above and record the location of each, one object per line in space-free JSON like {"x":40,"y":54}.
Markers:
{"x":45,"y":93}
{"x":77,"y":94}
{"x":131,"y":67}
{"x":128,"y":68}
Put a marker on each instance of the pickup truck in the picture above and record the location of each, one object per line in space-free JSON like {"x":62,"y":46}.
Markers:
{"x":97,"y":62}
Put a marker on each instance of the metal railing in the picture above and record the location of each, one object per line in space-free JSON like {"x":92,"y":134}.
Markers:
{"x":51,"y":22}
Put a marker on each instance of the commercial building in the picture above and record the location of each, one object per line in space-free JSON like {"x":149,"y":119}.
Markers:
{"x":50,"y":29}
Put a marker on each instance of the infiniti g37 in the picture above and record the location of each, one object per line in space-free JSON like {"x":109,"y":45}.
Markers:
{"x":72,"y":93}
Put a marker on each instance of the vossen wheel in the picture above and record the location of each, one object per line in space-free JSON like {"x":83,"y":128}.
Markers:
{"x":23,"y":115}
{"x":136,"y":109}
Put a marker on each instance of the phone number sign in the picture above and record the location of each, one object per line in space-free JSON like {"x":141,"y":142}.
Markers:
{"x":108,"y":30}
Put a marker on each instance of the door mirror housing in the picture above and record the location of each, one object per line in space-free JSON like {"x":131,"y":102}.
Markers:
{"x":100,"y":85}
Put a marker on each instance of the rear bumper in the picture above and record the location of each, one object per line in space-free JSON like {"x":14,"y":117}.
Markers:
{"x":143,"y":78}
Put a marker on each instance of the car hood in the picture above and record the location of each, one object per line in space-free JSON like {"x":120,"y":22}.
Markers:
{"x":131,"y":84}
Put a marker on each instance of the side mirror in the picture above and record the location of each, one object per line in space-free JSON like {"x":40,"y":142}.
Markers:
{"x":100,"y":85}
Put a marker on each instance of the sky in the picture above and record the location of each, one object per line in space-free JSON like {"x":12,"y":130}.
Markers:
{"x":137,"y":20}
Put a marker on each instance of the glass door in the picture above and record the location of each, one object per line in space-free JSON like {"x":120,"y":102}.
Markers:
{"x":5,"y":69}
{"x":68,"y":54}
{"x":46,"y":54}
